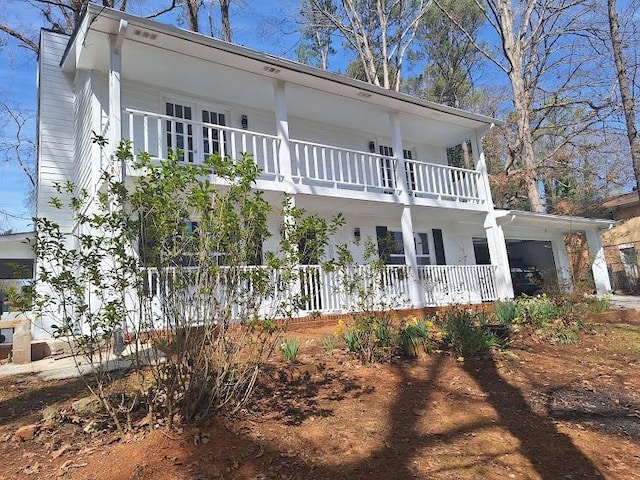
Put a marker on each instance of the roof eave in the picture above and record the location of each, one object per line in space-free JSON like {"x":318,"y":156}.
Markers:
{"x":93,"y":10}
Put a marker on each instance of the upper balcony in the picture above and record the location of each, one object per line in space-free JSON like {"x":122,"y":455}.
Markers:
{"x":310,"y":131}
{"x":312,"y":168}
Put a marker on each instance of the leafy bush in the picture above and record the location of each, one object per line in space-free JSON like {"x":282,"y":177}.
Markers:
{"x":506,"y":313}
{"x":541,"y":310}
{"x":464,"y":334}
{"x":204,"y":337}
{"x":289,"y":349}
{"x":373,"y":338}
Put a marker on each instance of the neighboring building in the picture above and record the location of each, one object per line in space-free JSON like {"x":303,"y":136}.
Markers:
{"x":333,"y":143}
{"x":622,"y":242}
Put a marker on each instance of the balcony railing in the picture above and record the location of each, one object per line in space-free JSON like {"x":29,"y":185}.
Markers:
{"x":342,"y":166}
{"x":311,"y":163}
{"x":449,"y":284}
{"x":315,"y":289}
{"x":158,"y":134}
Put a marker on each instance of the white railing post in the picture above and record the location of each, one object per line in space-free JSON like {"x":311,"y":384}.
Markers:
{"x":495,"y":235}
{"x":599,"y":265}
{"x":115,"y":74}
{"x":484,"y":189}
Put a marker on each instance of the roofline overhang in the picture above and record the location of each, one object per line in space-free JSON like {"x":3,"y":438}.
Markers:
{"x":564,"y":222}
{"x":93,"y":11}
{"x":12,"y":237}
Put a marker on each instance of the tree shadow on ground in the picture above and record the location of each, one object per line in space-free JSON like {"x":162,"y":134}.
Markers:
{"x":600,"y":409}
{"x":394,"y":459}
{"x":31,"y":400}
{"x":551,"y":453}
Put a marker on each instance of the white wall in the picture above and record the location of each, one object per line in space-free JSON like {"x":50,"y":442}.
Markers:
{"x":56,"y":127}
{"x":146,"y":97}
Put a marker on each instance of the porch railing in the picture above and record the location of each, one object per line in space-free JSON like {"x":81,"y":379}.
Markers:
{"x":314,"y":289}
{"x":459,"y":284}
{"x":314,"y":163}
{"x":342,"y":166}
{"x":157,"y":134}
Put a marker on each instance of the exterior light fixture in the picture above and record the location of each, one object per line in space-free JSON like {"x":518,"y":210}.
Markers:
{"x":244,"y":120}
{"x":372,"y":146}
{"x":356,"y":234}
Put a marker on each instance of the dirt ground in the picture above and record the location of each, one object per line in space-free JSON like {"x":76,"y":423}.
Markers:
{"x":538,"y":411}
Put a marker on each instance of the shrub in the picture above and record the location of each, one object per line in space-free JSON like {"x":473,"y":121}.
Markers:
{"x":464,"y":334}
{"x":289,"y":349}
{"x":373,"y":338}
{"x":506,"y":313}
{"x":541,"y":310}
{"x":415,"y":337}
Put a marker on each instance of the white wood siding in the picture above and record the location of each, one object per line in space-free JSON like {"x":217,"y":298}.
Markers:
{"x":83,"y":127}
{"x":56,"y":126}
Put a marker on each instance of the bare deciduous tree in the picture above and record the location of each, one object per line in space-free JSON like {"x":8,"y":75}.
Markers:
{"x":381,"y":32}
{"x":624,"y":81}
{"x":537,"y":51}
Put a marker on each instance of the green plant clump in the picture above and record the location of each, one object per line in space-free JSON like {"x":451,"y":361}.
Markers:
{"x":507,"y":313}
{"x":464,"y":334}
{"x":289,"y":349}
{"x":415,"y":337}
{"x":373,"y":338}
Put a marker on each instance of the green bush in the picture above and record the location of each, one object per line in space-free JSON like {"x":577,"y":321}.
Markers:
{"x":465,"y":335}
{"x":415,"y":336}
{"x":506,"y":313}
{"x":541,"y":310}
{"x":373,"y":338}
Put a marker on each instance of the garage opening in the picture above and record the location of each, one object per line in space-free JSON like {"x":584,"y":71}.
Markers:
{"x":533,"y":268}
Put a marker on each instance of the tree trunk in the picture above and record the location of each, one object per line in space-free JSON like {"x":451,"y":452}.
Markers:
{"x":466,"y":155}
{"x":522,"y":100}
{"x":224,"y":19}
{"x":623,"y":83}
{"x":193,"y":11}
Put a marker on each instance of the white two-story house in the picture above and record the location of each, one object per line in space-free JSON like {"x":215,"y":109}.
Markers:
{"x":336,"y":145}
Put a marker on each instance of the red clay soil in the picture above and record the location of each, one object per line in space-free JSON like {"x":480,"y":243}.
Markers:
{"x":540,"y":411}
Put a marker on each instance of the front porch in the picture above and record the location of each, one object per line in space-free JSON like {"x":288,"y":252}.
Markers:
{"x":320,"y":290}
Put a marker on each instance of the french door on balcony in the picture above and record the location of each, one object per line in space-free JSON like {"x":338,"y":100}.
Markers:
{"x":388,"y":168}
{"x":183,"y":135}
{"x":180,"y":130}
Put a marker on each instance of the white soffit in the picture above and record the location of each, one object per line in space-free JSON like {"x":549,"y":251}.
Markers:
{"x":92,"y":52}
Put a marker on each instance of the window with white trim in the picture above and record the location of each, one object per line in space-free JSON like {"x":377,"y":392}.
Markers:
{"x":214,"y":140}
{"x":180,"y":133}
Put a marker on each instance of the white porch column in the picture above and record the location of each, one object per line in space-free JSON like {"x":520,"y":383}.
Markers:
{"x":561,"y":258}
{"x":115,"y":78}
{"x":484,"y":188}
{"x":282,"y":130}
{"x":498,"y":253}
{"x":495,"y":235}
{"x":416,"y":290}
{"x":599,"y":265}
